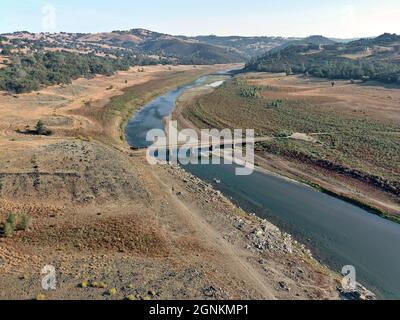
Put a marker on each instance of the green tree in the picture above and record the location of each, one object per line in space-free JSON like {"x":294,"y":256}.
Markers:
{"x":41,"y":129}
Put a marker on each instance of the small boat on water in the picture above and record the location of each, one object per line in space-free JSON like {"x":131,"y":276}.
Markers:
{"x":217,"y":181}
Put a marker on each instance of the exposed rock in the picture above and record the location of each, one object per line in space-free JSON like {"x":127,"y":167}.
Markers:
{"x":360,"y":293}
{"x":283,"y":286}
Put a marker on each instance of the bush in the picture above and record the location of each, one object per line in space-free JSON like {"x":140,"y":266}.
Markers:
{"x":8,"y":230}
{"x":12,"y":220}
{"x":16,"y":222}
{"x":283,"y":134}
{"x":24,"y":222}
{"x":41,"y":129}
{"x":250,"y":91}
{"x":6,"y":52}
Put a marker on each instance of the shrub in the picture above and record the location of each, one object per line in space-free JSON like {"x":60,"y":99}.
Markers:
{"x":283,"y":134}
{"x":24,"y":222}
{"x":18,"y":222}
{"x":6,"y":52}
{"x":275,"y":103}
{"x":250,"y":92}
{"x":12,"y":220}
{"x":8,"y":230}
{"x":41,"y":129}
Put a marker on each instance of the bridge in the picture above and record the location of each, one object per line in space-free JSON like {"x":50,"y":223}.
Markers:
{"x":214,"y":143}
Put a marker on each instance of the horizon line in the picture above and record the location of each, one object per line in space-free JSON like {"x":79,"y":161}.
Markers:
{"x":200,"y":35}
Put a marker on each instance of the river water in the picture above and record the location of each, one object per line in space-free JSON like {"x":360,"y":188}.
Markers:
{"x":339,"y":233}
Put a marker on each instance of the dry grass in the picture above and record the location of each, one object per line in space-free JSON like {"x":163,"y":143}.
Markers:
{"x":133,"y":234}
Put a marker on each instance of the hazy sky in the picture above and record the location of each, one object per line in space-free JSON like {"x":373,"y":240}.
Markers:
{"x":339,"y":18}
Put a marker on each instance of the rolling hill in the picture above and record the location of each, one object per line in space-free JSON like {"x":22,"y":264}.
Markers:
{"x":247,"y":46}
{"x":29,"y":61}
{"x":365,"y":59}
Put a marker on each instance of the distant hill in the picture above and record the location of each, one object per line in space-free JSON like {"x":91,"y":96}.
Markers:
{"x":246,"y":46}
{"x":181,"y":49}
{"x":317,"y":40}
{"x":192,"y":52}
{"x":214,"y":47}
{"x":155,"y":45}
{"x":386,"y":38}
{"x":314,"y":40}
{"x":376,"y":59}
{"x":164,"y":45}
{"x":29,"y":61}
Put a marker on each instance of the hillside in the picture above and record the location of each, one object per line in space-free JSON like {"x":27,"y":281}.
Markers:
{"x":314,"y":40}
{"x":366,"y":59}
{"x":191,"y":52}
{"x":247,"y":46}
{"x":185,"y":51}
{"x":30,"y":61}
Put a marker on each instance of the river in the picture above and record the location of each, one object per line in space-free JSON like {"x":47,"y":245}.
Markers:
{"x":339,"y":233}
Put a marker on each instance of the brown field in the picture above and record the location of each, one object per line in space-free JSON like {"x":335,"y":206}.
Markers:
{"x":101,"y":214}
{"x":108,"y":36}
{"x":344,"y":138}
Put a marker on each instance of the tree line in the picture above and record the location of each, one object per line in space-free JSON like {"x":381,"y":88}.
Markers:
{"x":28,"y":72}
{"x":325,"y":65}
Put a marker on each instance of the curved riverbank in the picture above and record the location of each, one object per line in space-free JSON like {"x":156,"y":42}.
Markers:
{"x":322,"y":234}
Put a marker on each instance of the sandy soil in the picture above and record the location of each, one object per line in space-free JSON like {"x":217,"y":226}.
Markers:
{"x":105,"y":218}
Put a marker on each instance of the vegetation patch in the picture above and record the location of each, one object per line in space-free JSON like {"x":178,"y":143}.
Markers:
{"x":29,"y":72}
{"x":332,"y":60}
{"x":40,"y":130}
{"x":15,"y":223}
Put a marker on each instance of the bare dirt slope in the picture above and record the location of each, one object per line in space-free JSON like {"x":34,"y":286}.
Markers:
{"x":105,"y":218}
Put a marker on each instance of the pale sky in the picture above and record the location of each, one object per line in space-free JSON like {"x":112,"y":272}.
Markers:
{"x":340,"y":18}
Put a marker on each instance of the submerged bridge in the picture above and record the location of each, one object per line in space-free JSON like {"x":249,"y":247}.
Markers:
{"x":194,"y":144}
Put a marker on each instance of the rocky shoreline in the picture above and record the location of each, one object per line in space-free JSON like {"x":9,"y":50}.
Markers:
{"x":262,"y":237}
